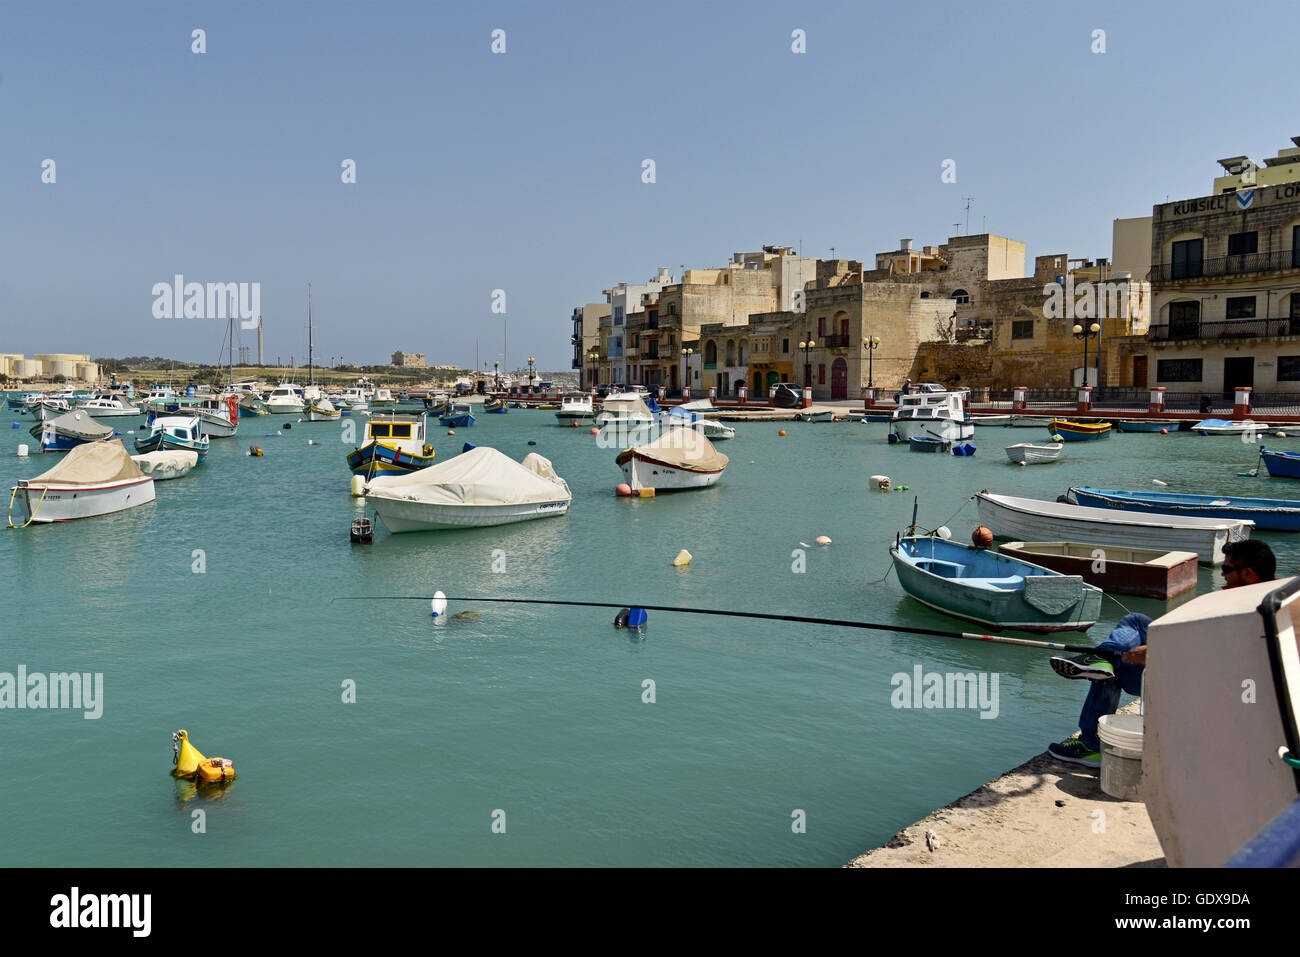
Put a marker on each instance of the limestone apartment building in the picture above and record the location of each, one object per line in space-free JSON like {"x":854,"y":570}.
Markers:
{"x":1225,"y":282}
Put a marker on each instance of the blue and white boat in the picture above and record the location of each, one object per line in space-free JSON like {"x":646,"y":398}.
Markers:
{"x":1281,"y":464}
{"x":495,"y":405}
{"x":394,"y":444}
{"x":65,"y":432}
{"x":458,"y":416}
{"x":174,"y":432}
{"x":1145,"y":425}
{"x":993,"y":590}
{"x":1225,"y":427}
{"x":1270,"y":514}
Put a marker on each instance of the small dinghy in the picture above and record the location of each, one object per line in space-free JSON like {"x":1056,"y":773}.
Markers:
{"x":1269,"y":514}
{"x":1145,"y":425}
{"x":993,"y":590}
{"x":678,"y":459}
{"x":1025,"y":453}
{"x":1226,"y":427}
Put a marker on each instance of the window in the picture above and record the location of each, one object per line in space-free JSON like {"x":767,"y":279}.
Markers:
{"x":785,"y":345}
{"x":401,"y":431}
{"x":1184,"y":320}
{"x":1295,"y":247}
{"x":1241,"y":307}
{"x":821,"y":327}
{"x":962,"y":297}
{"x":844,"y":328}
{"x":1022,"y":329}
{"x":378,"y":431}
{"x":821,"y":373}
{"x":1288,"y":368}
{"x":1239,"y":244}
{"x":618,"y":315}
{"x":925,"y":294}
{"x":1178,"y":370}
{"x":1293,"y":327}
{"x":1187,"y":258}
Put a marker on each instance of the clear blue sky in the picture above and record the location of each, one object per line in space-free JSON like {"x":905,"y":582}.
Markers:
{"x":522,"y":171}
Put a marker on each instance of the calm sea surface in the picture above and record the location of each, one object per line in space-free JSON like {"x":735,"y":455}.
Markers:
{"x":536,"y":712}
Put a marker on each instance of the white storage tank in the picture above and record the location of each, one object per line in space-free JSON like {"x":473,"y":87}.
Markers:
{"x":88,"y":371}
{"x":25,"y":368}
{"x":64,"y":367}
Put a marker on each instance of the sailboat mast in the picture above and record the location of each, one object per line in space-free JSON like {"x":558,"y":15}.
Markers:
{"x":311,"y":374}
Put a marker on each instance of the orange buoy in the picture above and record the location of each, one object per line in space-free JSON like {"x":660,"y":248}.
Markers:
{"x":981,"y":537}
{"x":1164,"y":431}
{"x":782,"y":432}
{"x":623,"y":490}
{"x":575,"y":424}
{"x":450,"y":432}
{"x":595,"y":431}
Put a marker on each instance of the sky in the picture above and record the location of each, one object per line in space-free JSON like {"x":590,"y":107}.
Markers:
{"x":523,"y":170}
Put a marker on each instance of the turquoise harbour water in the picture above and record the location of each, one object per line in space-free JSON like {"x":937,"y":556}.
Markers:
{"x":533,"y":711}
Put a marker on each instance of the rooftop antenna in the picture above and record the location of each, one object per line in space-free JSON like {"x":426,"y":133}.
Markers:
{"x":969,"y":200}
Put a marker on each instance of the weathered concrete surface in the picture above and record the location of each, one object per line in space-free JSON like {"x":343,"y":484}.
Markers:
{"x":1015,"y":822}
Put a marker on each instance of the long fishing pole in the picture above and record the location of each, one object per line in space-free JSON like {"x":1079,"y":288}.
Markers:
{"x":805,"y":619}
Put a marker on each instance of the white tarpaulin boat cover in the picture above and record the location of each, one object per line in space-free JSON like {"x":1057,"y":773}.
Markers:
{"x":166,"y":461}
{"x":626,"y":405}
{"x":481,"y":476}
{"x":95,"y":463}
{"x":683,"y":448}
{"x":79,"y":425}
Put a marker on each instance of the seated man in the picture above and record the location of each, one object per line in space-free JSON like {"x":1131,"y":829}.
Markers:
{"x":1118,"y":662}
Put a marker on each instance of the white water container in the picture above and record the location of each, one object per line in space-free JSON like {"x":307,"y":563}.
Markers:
{"x":22,"y":451}
{"x":1121,"y":755}
{"x":358,"y":486}
{"x":880,"y":483}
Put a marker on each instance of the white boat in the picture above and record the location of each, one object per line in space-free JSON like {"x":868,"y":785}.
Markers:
{"x":679,"y":459}
{"x":699,"y":405}
{"x":816,"y":415}
{"x":174,"y":432}
{"x":285,"y":399}
{"x":938,"y":415}
{"x":480,"y":487}
{"x":1028,"y":519}
{"x":383,"y":400}
{"x":93,"y":479}
{"x":47,"y":408}
{"x":110,"y":406}
{"x":219,"y":416}
{"x":624,"y":408}
{"x":1026,"y":453}
{"x":169,"y":464}
{"x":1227,"y":427}
{"x":322,"y":410}
{"x":356,"y":400}
{"x":681,"y":417}
{"x":1214,"y":770}
{"x":999,"y":421}
{"x":576,"y":408}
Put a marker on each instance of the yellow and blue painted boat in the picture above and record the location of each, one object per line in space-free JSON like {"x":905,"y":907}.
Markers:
{"x":394,"y":445}
{"x":1078,"y":431}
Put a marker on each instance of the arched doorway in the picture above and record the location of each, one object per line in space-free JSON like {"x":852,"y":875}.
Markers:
{"x":759,"y":392}
{"x":839,"y":379}
{"x":772,"y":379}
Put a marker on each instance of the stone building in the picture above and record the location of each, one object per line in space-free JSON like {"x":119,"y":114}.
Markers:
{"x":1225,"y":282}
{"x":414,"y":360}
{"x":585,"y":338}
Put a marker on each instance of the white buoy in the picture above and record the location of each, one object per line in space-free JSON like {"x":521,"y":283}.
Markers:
{"x":311,"y":441}
{"x":944,"y":532}
{"x":279,"y":433}
{"x":1158,"y":482}
{"x":22,"y":451}
{"x":358,"y":486}
{"x":439,"y":603}
{"x":823,"y":540}
{"x":880,"y":483}
{"x":130,"y":431}
{"x":1281,"y":435}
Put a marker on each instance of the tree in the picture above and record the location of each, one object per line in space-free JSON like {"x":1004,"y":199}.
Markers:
{"x":945,"y":330}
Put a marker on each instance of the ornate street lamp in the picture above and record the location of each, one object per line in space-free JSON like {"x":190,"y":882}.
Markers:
{"x":872,"y":343}
{"x":593,"y":358}
{"x":1080,"y":333}
{"x":807,"y":364}
{"x":686,"y":371}
{"x":531,"y":360}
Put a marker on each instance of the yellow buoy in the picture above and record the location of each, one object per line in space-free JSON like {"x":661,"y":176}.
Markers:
{"x":190,"y":762}
{"x":645,"y":492}
{"x":683,"y":558}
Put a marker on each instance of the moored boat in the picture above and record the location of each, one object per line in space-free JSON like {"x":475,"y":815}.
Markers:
{"x":459,"y":416}
{"x":97,"y":478}
{"x":940,"y":415}
{"x":110,"y":406}
{"x":478,"y":488}
{"x":679,"y":459}
{"x":168,"y":432}
{"x":1281,"y":464}
{"x":323,"y":410}
{"x":1078,"y":431}
{"x":1226,"y":427}
{"x":169,"y":464}
{"x":816,"y":415}
{"x":997,"y":421}
{"x":495,"y":405}
{"x":285,"y":399}
{"x":1270,"y":514}
{"x":1028,"y":519}
{"x":394,"y":444}
{"x":1148,"y":572}
{"x":928,"y":443}
{"x":218,"y":416}
{"x":576,"y":407}
{"x":1145,"y":425}
{"x":994,"y":590}
{"x":69,"y":430}
{"x":1026,"y":453}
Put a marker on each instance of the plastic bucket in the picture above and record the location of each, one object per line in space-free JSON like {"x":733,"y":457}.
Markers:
{"x":1121,"y":755}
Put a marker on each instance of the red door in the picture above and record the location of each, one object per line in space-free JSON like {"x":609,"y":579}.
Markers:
{"x":839,"y":379}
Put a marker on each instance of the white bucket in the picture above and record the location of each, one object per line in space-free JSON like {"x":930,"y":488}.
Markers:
{"x":879,"y":483}
{"x":358,"y":486}
{"x":1121,"y":755}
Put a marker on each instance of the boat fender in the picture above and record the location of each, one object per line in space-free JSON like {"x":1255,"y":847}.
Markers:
{"x":464,"y":448}
{"x":893,"y":438}
{"x":620,"y":620}
{"x":630,"y":618}
{"x":438,"y":604}
{"x":981,"y":537}
{"x":289,"y":425}
{"x":427,"y":450}
{"x":254,"y":450}
{"x":22,"y":451}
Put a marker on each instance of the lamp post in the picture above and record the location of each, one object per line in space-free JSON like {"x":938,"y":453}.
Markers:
{"x":593,"y":357}
{"x":496,"y":375}
{"x":1085,"y":335}
{"x":686,"y":371}
{"x":806,"y":345}
{"x":531,"y":360}
{"x":872,"y":343}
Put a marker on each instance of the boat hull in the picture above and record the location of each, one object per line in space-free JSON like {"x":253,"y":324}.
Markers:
{"x":1020,"y":519}
{"x":1137,"y":426}
{"x":66,"y":503}
{"x":406,"y":516}
{"x":216,"y":426}
{"x":997,"y":606}
{"x":644,"y":471}
{"x":950,"y":430}
{"x":1144,"y":572}
{"x":1274,"y":515}
{"x":1281,"y":464}
{"x":1078,"y":431}
{"x":161,"y":442}
{"x":462,"y":421}
{"x":379,"y":459}
{"x":924,"y":443}
{"x":1027,"y":454}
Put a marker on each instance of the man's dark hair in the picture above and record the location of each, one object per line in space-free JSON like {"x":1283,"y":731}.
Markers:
{"x":1255,"y":555}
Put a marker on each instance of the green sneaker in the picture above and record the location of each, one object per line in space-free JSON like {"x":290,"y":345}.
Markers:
{"x":1092,"y":667}
{"x":1075,"y":751}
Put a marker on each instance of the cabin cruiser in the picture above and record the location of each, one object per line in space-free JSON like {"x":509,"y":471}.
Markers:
{"x":576,"y":407}
{"x":927,"y":414}
{"x":285,"y":399}
{"x":356,"y":399}
{"x":110,"y":405}
{"x":219,"y":416}
{"x":174,"y":432}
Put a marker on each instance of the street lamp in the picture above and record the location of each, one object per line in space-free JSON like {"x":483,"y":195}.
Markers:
{"x":496,"y":375}
{"x":593,"y":357}
{"x":1079,"y":333}
{"x":807,"y":365}
{"x":531,"y":360}
{"x":686,"y":371}
{"x":872,"y":344}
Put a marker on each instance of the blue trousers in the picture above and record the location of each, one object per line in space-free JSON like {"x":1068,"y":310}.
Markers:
{"x":1103,"y":696}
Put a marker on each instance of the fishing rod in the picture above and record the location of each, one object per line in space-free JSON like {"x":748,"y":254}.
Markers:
{"x":439,"y":604}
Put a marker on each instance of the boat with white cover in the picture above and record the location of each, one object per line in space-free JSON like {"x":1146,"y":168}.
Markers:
{"x":939,"y":415}
{"x":322,"y":410}
{"x":169,"y":464}
{"x":677,"y":460}
{"x":478,"y":488}
{"x":624,"y":409}
{"x":1026,"y":453}
{"x":97,"y":478}
{"x":1028,"y":519}
{"x":285,"y":399}
{"x":69,"y":430}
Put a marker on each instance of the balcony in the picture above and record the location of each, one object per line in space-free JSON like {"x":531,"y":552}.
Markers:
{"x":710,"y":365}
{"x":1193,"y":330}
{"x":630,"y":352}
{"x":836,"y":342}
{"x":1277,"y":261}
